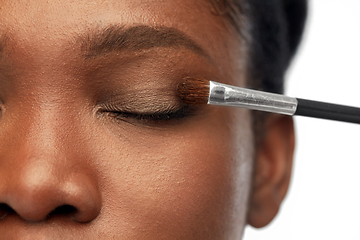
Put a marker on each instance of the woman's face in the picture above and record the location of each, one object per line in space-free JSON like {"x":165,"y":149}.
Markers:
{"x":95,"y":143}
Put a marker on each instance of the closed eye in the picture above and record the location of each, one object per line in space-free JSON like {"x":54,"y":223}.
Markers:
{"x":168,"y":114}
{"x":158,"y":117}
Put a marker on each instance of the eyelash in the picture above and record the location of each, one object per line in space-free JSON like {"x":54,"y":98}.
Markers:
{"x":153,"y":117}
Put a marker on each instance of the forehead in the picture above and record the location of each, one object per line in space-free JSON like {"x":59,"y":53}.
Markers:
{"x":51,"y":24}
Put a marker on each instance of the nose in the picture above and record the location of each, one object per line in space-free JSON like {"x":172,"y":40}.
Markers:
{"x":47,"y":176}
{"x":36,"y":194}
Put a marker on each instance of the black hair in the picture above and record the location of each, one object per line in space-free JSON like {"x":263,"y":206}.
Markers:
{"x":272,"y":30}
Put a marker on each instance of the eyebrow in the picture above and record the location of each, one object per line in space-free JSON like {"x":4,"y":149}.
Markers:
{"x":116,"y":38}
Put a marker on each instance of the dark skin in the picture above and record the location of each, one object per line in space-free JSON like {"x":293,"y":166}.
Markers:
{"x":96,"y":144}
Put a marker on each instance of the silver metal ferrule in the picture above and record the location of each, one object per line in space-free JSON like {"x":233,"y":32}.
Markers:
{"x":226,"y":95}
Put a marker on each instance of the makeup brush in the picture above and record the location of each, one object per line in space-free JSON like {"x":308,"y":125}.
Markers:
{"x":201,"y":91}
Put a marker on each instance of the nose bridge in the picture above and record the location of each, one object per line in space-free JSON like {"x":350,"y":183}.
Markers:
{"x":45,"y":116}
{"x":46,"y":129}
{"x":54,"y":125}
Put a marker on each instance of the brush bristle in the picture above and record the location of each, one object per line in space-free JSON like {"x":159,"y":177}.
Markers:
{"x":194,"y":90}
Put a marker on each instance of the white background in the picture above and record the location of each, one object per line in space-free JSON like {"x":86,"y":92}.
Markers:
{"x":324,"y":198}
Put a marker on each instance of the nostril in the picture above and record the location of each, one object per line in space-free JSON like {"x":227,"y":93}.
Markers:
{"x":63,"y":211}
{"x":5,"y":210}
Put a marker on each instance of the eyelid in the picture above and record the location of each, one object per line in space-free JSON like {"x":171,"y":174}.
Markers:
{"x":142,"y":100}
{"x":144,"y":109}
{"x":156,"y":118}
{"x":145,"y":104}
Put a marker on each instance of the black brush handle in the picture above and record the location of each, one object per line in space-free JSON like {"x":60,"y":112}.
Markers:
{"x":327,"y":111}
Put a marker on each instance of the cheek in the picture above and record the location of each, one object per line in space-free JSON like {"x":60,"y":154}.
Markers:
{"x":188,"y":182}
